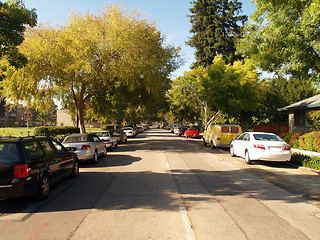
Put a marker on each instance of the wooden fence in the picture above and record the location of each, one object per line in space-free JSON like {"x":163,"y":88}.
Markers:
{"x":279,"y":128}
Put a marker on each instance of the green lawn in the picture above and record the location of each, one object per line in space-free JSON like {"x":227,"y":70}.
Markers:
{"x":22,"y":131}
{"x":15,"y":132}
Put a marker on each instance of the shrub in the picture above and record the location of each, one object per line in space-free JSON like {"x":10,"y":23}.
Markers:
{"x":313,"y":118}
{"x":306,"y":161}
{"x":308,"y":141}
{"x":55,"y":132}
{"x":292,"y":138}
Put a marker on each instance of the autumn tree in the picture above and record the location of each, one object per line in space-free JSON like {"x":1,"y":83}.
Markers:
{"x":216,"y":26}
{"x":92,"y":53}
{"x":283,"y":37}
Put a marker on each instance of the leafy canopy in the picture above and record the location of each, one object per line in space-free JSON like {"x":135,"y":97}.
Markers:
{"x":14,"y":18}
{"x":92,"y":53}
{"x":283,"y":37}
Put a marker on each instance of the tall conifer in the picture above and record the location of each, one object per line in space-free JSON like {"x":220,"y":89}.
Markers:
{"x":216,"y":26}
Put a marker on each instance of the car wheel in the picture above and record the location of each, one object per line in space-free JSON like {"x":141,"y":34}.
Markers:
{"x":43,"y":187}
{"x":75,"y":171}
{"x":212,"y":145}
{"x":232,"y":151}
{"x":247,"y":158}
{"x":204,"y":143}
{"x":95,"y":157}
{"x":111,"y":148}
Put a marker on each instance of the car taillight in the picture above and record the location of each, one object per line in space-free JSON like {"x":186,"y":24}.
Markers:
{"x":21,"y":171}
{"x":85,"y":147}
{"x":260,"y":146}
{"x":287,"y":148}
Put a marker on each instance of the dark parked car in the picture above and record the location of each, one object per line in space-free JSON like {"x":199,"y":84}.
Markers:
{"x":30,"y":165}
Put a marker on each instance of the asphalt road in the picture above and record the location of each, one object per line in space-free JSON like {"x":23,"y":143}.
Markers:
{"x":160,"y":186}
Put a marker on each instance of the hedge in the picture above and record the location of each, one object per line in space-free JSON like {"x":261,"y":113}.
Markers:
{"x":55,"y":132}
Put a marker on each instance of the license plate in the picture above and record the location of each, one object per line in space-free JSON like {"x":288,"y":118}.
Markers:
{"x":275,"y":149}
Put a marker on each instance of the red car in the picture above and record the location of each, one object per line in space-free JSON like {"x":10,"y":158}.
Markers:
{"x":191,"y":132}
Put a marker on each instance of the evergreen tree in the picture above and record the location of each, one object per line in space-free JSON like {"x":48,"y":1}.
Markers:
{"x":216,"y":25}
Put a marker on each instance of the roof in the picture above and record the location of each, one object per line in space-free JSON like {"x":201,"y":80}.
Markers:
{"x":312,"y":102}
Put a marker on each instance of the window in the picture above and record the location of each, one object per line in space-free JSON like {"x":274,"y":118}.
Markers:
{"x":9,"y":152}
{"x":225,"y":129}
{"x":33,"y":150}
{"x":48,"y":147}
{"x":234,"y":130}
{"x":59,"y":147}
{"x":299,"y":118}
{"x":96,"y":139}
{"x":246,"y":137}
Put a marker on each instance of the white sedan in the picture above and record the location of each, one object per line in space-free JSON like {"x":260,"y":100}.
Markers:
{"x":260,"y":146}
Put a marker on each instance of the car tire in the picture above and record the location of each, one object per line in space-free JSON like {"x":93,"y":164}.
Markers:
{"x":204,"y":143}
{"x":212,"y":145}
{"x":111,"y":148}
{"x":75,"y":171}
{"x":232,"y":151}
{"x":95,"y":157}
{"x":247,"y":158}
{"x":43,"y":187}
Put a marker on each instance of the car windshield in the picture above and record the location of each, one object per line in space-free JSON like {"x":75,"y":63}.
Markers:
{"x":76,"y":139}
{"x":193,"y":129}
{"x":9,"y":152}
{"x":267,"y":137}
{"x":128,"y":128}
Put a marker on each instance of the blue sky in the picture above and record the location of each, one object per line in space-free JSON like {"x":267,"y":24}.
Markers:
{"x":170,"y":17}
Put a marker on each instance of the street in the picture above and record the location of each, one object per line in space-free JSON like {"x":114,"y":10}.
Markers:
{"x":160,"y":186}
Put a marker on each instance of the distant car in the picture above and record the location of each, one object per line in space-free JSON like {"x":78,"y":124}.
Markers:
{"x":145,"y":127}
{"x":31,"y":165}
{"x":108,"y":138}
{"x":120,"y":135}
{"x":87,"y":146}
{"x":173,"y":127}
{"x":130,"y":131}
{"x":182,"y":130}
{"x":260,"y":146}
{"x":191,"y":132}
{"x":140,"y":129}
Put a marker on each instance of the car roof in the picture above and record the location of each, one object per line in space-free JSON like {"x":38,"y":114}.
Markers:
{"x":80,"y":134}
{"x":19,"y":139}
{"x":261,"y":133}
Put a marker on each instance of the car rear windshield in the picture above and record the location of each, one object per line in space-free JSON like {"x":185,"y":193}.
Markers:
{"x":193,"y":129}
{"x":76,"y":139}
{"x":267,"y":137}
{"x":102,"y":134}
{"x":9,"y":152}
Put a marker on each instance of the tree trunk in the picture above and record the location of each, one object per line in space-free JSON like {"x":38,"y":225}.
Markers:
{"x":81,"y":118}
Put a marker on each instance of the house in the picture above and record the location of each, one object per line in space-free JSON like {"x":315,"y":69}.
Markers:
{"x":298,"y":111}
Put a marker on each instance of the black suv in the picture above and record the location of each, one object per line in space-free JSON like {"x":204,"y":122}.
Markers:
{"x":30,"y":165}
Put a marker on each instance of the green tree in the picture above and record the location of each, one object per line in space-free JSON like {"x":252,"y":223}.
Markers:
{"x":283,"y":37}
{"x":14,"y":18}
{"x":280,"y":92}
{"x":216,"y":26}
{"x":185,"y":96}
{"x":232,"y":89}
{"x":89,"y":55}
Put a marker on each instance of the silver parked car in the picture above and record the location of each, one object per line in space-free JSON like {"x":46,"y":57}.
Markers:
{"x":129,"y":131}
{"x":87,"y":146}
{"x":108,"y":138}
{"x":260,"y":146}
